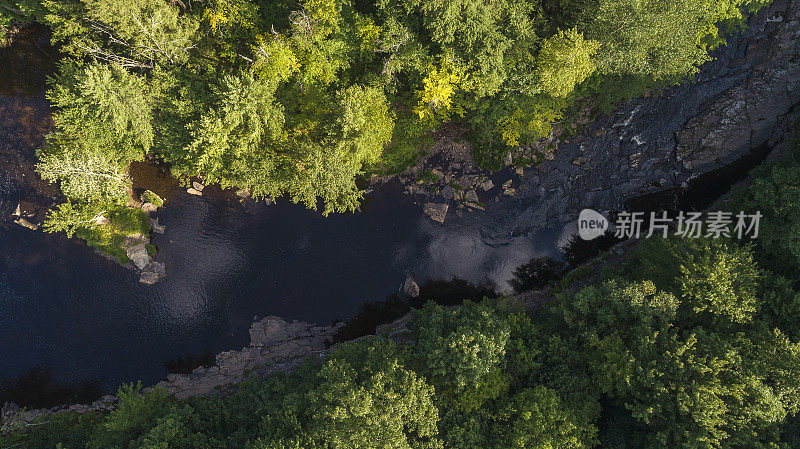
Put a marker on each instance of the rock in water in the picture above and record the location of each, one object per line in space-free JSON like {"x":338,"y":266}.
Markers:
{"x":149,"y":208}
{"x":27,"y":224}
{"x":152,"y":272}
{"x":436,"y":211}
{"x":138,"y":255}
{"x":410,"y":287}
{"x":157,"y":228}
{"x":193,"y":191}
{"x":487,"y":185}
{"x":448,"y":193}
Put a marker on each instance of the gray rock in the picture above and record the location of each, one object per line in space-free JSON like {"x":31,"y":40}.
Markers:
{"x":100,"y":220}
{"x":436,"y":211}
{"x":152,"y":273}
{"x":137,"y":253}
{"x":149,"y":208}
{"x":448,"y":192}
{"x":410,"y":287}
{"x":268,"y":331}
{"x":26,"y":224}
{"x":635,"y":160}
{"x":472,"y":196}
{"x":157,"y":228}
{"x":508,"y":159}
{"x":487,"y":185}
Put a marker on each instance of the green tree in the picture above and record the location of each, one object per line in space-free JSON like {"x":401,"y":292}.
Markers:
{"x":774,"y":193}
{"x":564,"y":61}
{"x":660,"y":38}
{"x":713,"y":278}
{"x":104,"y":122}
{"x":132,"y":34}
{"x":461,"y":352}
{"x":537,"y":418}
{"x":367,"y":399}
{"x":687,"y":385}
{"x":483,"y":36}
{"x":236,"y":137}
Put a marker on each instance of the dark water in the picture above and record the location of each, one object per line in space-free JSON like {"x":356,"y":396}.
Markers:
{"x":65,"y":307}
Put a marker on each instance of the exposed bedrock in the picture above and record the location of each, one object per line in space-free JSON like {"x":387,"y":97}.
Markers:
{"x":738,"y":102}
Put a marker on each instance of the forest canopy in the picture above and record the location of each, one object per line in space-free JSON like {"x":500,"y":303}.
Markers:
{"x":297,"y":99}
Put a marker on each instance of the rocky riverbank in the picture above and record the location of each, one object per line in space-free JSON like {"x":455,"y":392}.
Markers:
{"x":738,"y":102}
{"x":275,"y":345}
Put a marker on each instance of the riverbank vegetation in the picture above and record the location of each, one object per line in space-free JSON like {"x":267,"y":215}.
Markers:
{"x":689,"y":343}
{"x":299,"y":98}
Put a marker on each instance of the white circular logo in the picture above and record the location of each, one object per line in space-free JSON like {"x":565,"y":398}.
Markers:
{"x":591,"y":224}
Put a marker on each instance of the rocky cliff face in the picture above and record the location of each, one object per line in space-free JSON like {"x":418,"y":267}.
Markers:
{"x":738,"y":102}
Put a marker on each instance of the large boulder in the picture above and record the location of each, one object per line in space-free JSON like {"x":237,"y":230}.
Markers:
{"x":436,"y":211}
{"x":152,"y":273}
{"x":137,"y":253}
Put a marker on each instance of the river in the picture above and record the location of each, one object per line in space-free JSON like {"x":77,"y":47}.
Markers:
{"x":64,"y":306}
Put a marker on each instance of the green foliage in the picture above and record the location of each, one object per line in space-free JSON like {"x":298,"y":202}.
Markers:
{"x":19,"y":12}
{"x":662,"y":39}
{"x":775,"y":193}
{"x":150,"y":197}
{"x":537,"y":418}
{"x":461,"y":352}
{"x":103,"y":122}
{"x":83,"y":220}
{"x":565,"y":60}
{"x":712,"y":277}
{"x":69,"y":217}
{"x":368,"y":399}
{"x":689,"y":385}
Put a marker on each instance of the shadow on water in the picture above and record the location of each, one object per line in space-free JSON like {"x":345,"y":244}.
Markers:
{"x":39,"y":388}
{"x":700,"y":192}
{"x":186,"y":364}
{"x":447,"y":293}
